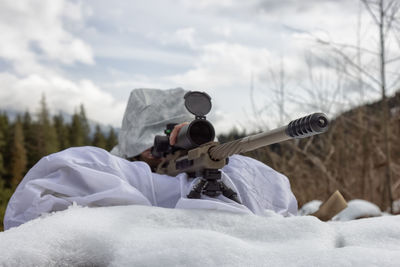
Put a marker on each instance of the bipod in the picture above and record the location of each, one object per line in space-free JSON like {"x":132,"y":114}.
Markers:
{"x":210,"y":184}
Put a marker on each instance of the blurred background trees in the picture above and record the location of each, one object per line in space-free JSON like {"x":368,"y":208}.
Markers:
{"x":24,"y":141}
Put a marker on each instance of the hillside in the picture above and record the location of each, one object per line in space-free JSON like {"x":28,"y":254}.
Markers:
{"x":349,"y":157}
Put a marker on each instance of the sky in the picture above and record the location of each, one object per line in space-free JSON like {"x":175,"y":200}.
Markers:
{"x":96,"y":52}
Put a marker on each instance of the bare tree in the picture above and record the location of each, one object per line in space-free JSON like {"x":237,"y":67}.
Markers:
{"x":381,"y":76}
{"x":274,"y":95}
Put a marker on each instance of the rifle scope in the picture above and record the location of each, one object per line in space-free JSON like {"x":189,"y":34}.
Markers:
{"x":194,"y":134}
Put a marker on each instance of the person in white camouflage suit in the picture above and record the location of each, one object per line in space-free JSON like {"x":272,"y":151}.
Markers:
{"x":93,"y":177}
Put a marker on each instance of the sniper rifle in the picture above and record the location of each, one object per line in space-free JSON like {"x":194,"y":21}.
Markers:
{"x":196,"y":153}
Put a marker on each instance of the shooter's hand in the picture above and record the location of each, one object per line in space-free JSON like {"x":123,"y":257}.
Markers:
{"x":174,"y":133}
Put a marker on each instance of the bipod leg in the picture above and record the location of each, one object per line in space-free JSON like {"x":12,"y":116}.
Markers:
{"x":212,"y":188}
{"x":211,"y":185}
{"x":197,"y":189}
{"x":229,"y":193}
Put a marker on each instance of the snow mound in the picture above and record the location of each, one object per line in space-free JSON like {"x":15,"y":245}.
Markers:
{"x":151,"y":236}
{"x":310,"y":207}
{"x":358,"y":208}
{"x":396,"y":206}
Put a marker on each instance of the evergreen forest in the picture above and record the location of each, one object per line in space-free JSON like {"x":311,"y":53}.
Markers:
{"x":27,"y":138}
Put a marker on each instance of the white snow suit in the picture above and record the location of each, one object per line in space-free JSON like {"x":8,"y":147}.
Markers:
{"x":93,"y":177}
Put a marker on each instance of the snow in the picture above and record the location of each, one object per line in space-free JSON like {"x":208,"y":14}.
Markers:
{"x":310,"y":207}
{"x":396,"y":206}
{"x":152,"y":236}
{"x":358,"y":208}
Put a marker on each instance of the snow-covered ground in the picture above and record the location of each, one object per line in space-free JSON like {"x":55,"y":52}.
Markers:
{"x":310,"y":207}
{"x":356,"y":208}
{"x":151,"y":236}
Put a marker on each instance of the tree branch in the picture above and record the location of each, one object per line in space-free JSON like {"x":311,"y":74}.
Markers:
{"x":392,"y":16}
{"x":348,"y":60}
{"x":371,"y":12}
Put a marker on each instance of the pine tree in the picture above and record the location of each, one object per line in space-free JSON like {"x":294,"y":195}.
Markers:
{"x":75,"y":131}
{"x":62,"y":132}
{"x":85,"y":125}
{"x":2,"y":144}
{"x":18,"y":154}
{"x":5,"y":148}
{"x":5,"y":194}
{"x":3,"y":130}
{"x":79,"y":130}
{"x":47,"y":137}
{"x":112,"y":139}
{"x":98,"y":139}
{"x":30,"y":138}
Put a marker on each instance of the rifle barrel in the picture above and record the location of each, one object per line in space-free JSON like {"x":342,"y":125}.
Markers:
{"x":312,"y":124}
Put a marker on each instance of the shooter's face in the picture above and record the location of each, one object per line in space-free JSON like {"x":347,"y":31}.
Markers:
{"x":147,"y":157}
{"x":153,"y":162}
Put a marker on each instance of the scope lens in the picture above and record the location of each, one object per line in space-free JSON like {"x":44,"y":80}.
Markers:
{"x":201,"y":132}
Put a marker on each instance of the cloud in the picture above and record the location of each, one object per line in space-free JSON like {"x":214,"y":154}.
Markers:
{"x":61,"y":94}
{"x":224,"y":64}
{"x":203,"y":4}
{"x":36,"y":45}
{"x":293,"y":6}
{"x":213,"y":46}
{"x":33,"y":31}
{"x":181,"y":37}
